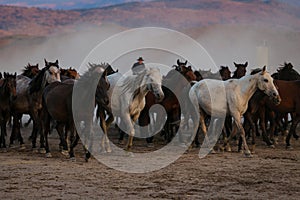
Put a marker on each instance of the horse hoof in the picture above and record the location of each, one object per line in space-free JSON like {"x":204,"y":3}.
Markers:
{"x":289,"y":147}
{"x":150,"y":145}
{"x":212,"y":151}
{"x":65,"y":152}
{"x":121,"y":142}
{"x":108,"y":150}
{"x":35,"y":150}
{"x":73,"y":159}
{"x":246,"y":155}
{"x":12,"y":146}
{"x":296,"y":136}
{"x":48,"y":155}
{"x":3,"y":150}
{"x":42,"y":150}
{"x":228,"y":149}
{"x":272,"y":146}
{"x":22,"y":147}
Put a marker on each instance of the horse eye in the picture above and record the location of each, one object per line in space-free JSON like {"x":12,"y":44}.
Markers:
{"x":266,"y":80}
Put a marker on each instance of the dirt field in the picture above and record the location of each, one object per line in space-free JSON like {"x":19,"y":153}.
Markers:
{"x":270,"y":174}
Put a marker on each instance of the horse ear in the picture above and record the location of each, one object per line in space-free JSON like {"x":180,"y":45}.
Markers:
{"x":263,"y":70}
{"x":15,"y":75}
{"x":185,"y":62}
{"x":0,"y":75}
{"x":178,"y":62}
{"x":56,"y":62}
{"x":234,"y":64}
{"x":246,"y":64}
{"x":46,"y":63}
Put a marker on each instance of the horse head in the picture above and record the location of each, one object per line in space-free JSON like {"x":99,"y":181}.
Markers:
{"x":286,"y":73}
{"x":10,"y":84}
{"x":31,"y":70}
{"x":240,"y":70}
{"x":153,"y":81}
{"x":265,"y":84}
{"x":225,"y":73}
{"x":52,"y":73}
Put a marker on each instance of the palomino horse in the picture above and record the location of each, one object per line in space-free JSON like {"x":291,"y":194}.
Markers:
{"x":207,"y":96}
{"x":57,"y":105}
{"x":128,"y":96}
{"x":28,"y":99}
{"x":7,"y":94}
{"x":173,"y":84}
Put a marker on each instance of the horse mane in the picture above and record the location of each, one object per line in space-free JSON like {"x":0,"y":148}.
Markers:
{"x":132,"y":80}
{"x":255,"y":71}
{"x":37,"y":81}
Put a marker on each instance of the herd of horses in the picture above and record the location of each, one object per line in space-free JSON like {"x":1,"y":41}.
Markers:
{"x":262,"y":100}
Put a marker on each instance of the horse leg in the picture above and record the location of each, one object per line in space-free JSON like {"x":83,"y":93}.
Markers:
{"x":292,"y":131}
{"x":74,"y":138}
{"x":237,"y":120}
{"x":104,"y":140}
{"x":262,"y":124}
{"x":63,"y":142}
{"x":3,"y":132}
{"x":45,"y":134}
{"x":130,"y":130}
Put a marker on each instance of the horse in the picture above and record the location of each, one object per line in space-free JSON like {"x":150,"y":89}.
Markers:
{"x":57,"y":105}
{"x":170,"y":101}
{"x":7,"y":95}
{"x":30,"y":70}
{"x":69,"y":73}
{"x":240,"y":70}
{"x":130,"y":101}
{"x":225,"y":73}
{"x":286,"y":73}
{"x":289,"y":104}
{"x":233,"y":102}
{"x":28,"y":100}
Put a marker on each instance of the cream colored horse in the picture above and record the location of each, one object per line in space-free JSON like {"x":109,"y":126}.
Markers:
{"x":127,"y":96}
{"x":220,"y":98}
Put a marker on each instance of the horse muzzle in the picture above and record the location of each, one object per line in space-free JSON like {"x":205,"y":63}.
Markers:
{"x":275,"y":98}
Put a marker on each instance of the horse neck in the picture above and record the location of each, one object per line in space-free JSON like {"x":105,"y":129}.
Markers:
{"x":248,"y":85}
{"x":4,"y":92}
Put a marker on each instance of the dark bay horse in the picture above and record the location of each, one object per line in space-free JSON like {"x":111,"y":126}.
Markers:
{"x":28,"y":100}
{"x":57,"y":105}
{"x":240,"y":70}
{"x":7,"y":95}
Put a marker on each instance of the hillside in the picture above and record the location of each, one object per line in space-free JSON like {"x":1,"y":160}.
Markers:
{"x":175,"y":14}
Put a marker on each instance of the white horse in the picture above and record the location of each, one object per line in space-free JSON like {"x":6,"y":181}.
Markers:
{"x":220,"y":98}
{"x":127,"y":96}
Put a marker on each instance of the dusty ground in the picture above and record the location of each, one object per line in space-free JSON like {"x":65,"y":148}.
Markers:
{"x":270,"y":174}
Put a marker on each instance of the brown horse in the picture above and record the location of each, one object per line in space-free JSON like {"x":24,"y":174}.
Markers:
{"x":290,"y":104}
{"x":173,"y":85}
{"x":57,"y":105}
{"x":7,"y":95}
{"x":30,"y":70}
{"x":69,"y":73}
{"x":28,"y":100}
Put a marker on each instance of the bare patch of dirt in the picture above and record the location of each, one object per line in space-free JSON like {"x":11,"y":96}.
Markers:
{"x":270,"y":174}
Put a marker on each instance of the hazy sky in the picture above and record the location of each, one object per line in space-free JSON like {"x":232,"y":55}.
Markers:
{"x":76,"y":4}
